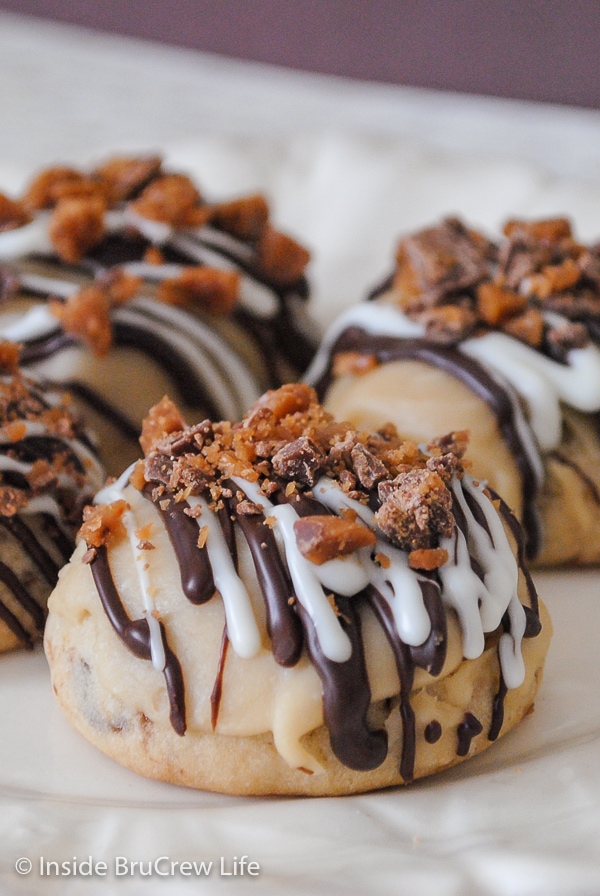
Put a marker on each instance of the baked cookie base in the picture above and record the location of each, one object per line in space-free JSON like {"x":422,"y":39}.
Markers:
{"x":252,"y":765}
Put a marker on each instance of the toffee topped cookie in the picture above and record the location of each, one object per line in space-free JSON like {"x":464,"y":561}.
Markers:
{"x":502,"y":339}
{"x":123,"y":284}
{"x":48,"y":472}
{"x":288,"y":605}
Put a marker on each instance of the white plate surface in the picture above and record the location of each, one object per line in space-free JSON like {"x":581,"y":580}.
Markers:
{"x":524,"y":818}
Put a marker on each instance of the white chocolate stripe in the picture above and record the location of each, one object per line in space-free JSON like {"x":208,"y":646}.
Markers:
{"x":306,"y":577}
{"x":108,"y":495}
{"x":541,"y":382}
{"x":398,"y":583}
{"x":242,"y":629}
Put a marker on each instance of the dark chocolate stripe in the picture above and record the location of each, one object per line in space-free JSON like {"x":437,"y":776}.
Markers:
{"x":26,"y":601}
{"x":468,"y":729}
{"x":197,"y":580}
{"x":283,"y":624}
{"x":135,"y":634}
{"x":32,"y":547}
{"x":406,"y":673}
{"x":470,"y":372}
{"x":587,"y":480}
{"x":347,"y":694}
{"x":431,"y":655}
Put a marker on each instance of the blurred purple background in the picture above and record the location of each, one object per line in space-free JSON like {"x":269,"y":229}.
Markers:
{"x":526,"y":49}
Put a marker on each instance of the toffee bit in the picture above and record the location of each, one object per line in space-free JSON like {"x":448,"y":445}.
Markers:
{"x":322,"y":538}
{"x":427,"y":559}
{"x":202,"y":536}
{"x":12,"y":500}
{"x":86,"y":315}
{"x":301,"y":460}
{"x":244,"y":218}
{"x":12,"y":214}
{"x":172,"y":199}
{"x":417,"y":511}
{"x":369,"y":469}
{"x":103,"y":523}
{"x":76,"y":226}
{"x":383,"y":560}
{"x":248,"y":508}
{"x":208,"y":288}
{"x":163,"y":419}
{"x":355,"y":363}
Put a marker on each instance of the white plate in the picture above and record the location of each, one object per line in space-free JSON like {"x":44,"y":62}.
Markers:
{"x":524,"y":818}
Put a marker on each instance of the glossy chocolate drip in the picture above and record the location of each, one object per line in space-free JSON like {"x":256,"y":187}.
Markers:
{"x":433,"y":732}
{"x":197,"y":580}
{"x":431,"y":655}
{"x":347,"y":695}
{"x":498,"y":711}
{"x":451,"y":360}
{"x":283,"y":624}
{"x":468,"y":729}
{"x":136,"y":635}
{"x":405,"y":667}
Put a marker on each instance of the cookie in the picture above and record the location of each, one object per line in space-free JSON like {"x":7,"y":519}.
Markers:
{"x":288,"y":606}
{"x":124,"y":284}
{"x":501,"y":339}
{"x":48,"y":471}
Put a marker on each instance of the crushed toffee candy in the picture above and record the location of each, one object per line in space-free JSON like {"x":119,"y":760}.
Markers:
{"x":126,"y":283}
{"x":501,"y":337}
{"x":48,"y":471}
{"x":282,"y":605}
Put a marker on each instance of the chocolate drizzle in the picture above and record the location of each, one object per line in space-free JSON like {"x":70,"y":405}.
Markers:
{"x":468,"y":729}
{"x":135,"y":634}
{"x":197,"y":580}
{"x":283,"y":624}
{"x":38,"y":541}
{"x":219,"y":476}
{"x":347,"y":695}
{"x":451,"y":360}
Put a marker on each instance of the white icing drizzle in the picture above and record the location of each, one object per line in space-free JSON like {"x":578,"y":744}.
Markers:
{"x":32,"y":237}
{"x":480,"y":604}
{"x":541,"y":382}
{"x":108,"y":495}
{"x":228,"y":379}
{"x":36,"y":323}
{"x":242,"y":629}
{"x":50,"y":286}
{"x":398,"y":583}
{"x":307,"y":577}
{"x":256,"y":297}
